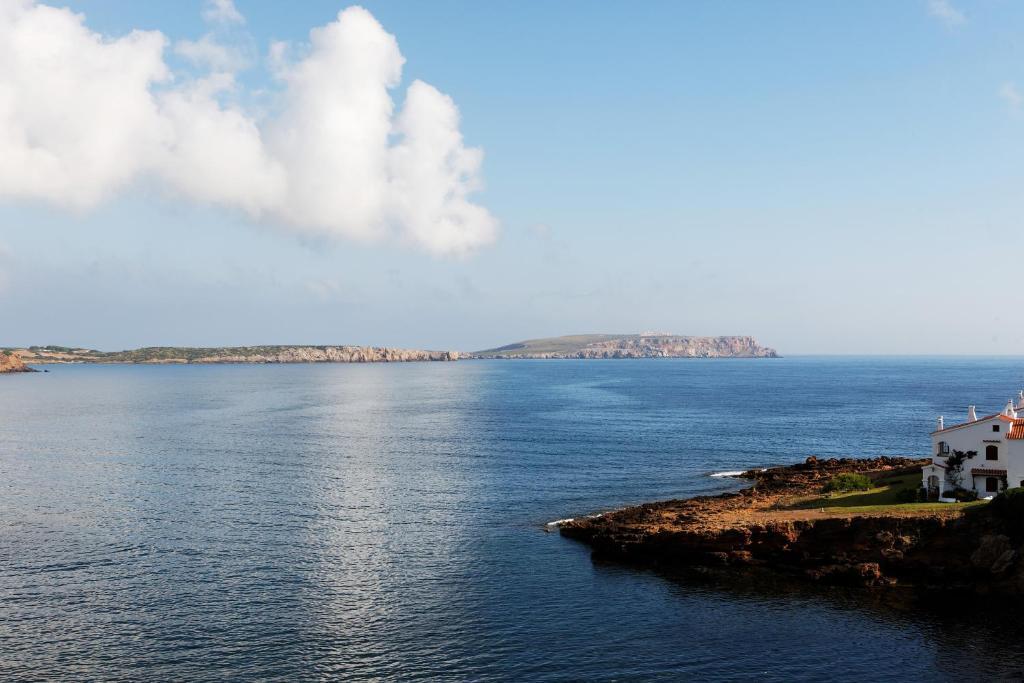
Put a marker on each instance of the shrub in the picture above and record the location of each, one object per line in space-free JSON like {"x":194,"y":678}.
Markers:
{"x":961,"y":495}
{"x":965,"y":496}
{"x":1009,"y":505}
{"x":909,"y":495}
{"x":848,"y":481}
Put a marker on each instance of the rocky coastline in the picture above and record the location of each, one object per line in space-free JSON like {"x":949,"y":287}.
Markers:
{"x":11,"y":362}
{"x":763,"y":528}
{"x":632,"y":346}
{"x":239,"y":354}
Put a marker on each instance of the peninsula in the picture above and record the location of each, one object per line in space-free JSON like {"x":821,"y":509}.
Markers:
{"x":646,"y":345}
{"x":788,"y":522}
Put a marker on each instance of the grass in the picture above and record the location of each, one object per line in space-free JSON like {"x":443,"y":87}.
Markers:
{"x":912,"y":507}
{"x":567,"y":344}
{"x":885,"y":495}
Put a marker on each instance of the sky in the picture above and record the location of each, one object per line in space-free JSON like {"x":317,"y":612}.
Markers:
{"x":833,"y":178}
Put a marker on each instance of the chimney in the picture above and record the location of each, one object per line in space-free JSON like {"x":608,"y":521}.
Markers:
{"x":939,"y":428}
{"x":1008,"y":410}
{"x":972,"y":415}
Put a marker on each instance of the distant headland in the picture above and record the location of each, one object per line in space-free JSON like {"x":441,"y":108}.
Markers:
{"x":166,"y":355}
{"x":645,"y":345}
{"x":590,"y":346}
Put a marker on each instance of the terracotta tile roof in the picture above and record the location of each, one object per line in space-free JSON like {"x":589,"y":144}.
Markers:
{"x":1017,"y":430}
{"x":1000,"y":416}
{"x":983,"y":472}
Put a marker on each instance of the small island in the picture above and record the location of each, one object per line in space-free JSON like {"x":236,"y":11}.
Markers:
{"x":864,"y":522}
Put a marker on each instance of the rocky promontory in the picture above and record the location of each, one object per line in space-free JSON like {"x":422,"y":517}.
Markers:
{"x":11,"y":362}
{"x":784,"y":523}
{"x":647,"y":345}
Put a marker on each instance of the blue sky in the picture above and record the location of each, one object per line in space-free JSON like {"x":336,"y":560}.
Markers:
{"x":829,"y":177}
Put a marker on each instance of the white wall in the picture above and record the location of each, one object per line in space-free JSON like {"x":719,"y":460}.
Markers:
{"x":975,"y":437}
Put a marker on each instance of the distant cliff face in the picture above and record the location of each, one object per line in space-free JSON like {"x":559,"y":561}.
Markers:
{"x":238,"y":354}
{"x":633,"y":346}
{"x":10,"y":362}
{"x":678,"y":347}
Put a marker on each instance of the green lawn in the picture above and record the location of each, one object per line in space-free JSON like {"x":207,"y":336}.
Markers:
{"x":910,"y":507}
{"x":884,"y":495}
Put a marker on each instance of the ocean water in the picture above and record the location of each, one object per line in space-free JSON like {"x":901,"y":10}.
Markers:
{"x":373,"y":522}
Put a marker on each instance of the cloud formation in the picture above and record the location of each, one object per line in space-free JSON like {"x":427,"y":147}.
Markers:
{"x":944,"y":11}
{"x":84,"y":116}
{"x":222,"y":12}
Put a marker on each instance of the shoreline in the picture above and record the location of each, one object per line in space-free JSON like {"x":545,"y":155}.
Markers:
{"x":785,"y":524}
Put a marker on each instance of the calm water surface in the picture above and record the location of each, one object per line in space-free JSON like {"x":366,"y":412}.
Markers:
{"x":375,"y":522}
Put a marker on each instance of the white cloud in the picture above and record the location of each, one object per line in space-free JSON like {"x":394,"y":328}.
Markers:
{"x":944,"y":11}
{"x":222,"y":12}
{"x":82,"y":116}
{"x":77,"y":116}
{"x":1012,"y":95}
{"x":209,"y":54}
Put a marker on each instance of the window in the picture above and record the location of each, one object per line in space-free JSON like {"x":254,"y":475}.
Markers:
{"x":943,"y":448}
{"x":991,"y":452}
{"x":991,"y":484}
{"x":995,"y":428}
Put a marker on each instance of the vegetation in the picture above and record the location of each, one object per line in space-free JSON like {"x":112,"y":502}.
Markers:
{"x":159,"y":353}
{"x":848,"y":481}
{"x":567,"y":344}
{"x":961,"y":495}
{"x":1009,"y":505}
{"x":894,"y":493}
{"x":955,"y":467}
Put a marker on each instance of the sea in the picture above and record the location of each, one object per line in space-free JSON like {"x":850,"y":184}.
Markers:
{"x":391,"y":521}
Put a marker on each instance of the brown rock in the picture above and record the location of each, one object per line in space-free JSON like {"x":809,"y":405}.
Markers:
{"x":1004,"y":562}
{"x":991,"y":549}
{"x":11,"y":362}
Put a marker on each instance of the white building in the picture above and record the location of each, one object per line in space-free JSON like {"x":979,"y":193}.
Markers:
{"x":997,"y":442}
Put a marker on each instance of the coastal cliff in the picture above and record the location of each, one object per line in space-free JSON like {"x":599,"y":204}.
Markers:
{"x":11,"y":362}
{"x":632,"y":346}
{"x":237,"y":354}
{"x":783,"y":523}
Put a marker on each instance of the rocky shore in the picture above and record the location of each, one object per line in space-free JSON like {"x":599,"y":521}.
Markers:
{"x":10,"y":362}
{"x":770,"y":527}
